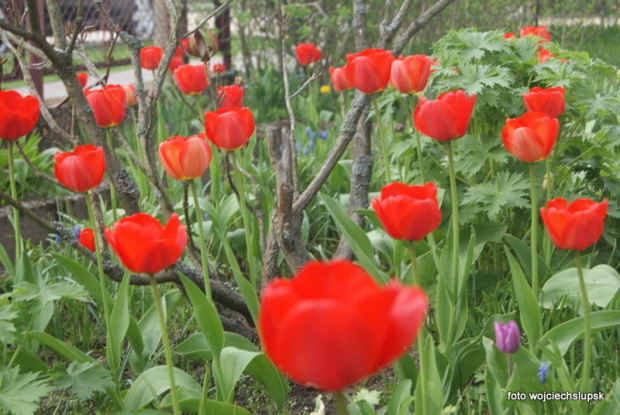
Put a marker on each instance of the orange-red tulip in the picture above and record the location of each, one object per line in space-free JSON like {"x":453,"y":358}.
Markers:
{"x":339,"y":79}
{"x":307,"y":53}
{"x":369,"y":70}
{"x":539,"y":31}
{"x":230,"y":95}
{"x":332,"y":325}
{"x":82,"y":78}
{"x":530,"y":137}
{"x":544,"y":55}
{"x":150,"y":57}
{"x":410,"y":74}
{"x":130,"y":95}
{"x":82,"y":169}
{"x":175,"y":62}
{"x":109,"y":104}
{"x":218,"y":68}
{"x":229,"y":128}
{"x":446,"y":117}
{"x":408,"y":212}
{"x":86,"y":238}
{"x":574,"y":226}
{"x":549,"y":100}
{"x":191,"y":79}
{"x":18,"y":115}
{"x":146,"y":246}
{"x":185,"y":158}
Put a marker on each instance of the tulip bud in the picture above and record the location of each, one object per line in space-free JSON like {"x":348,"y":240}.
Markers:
{"x":507,"y":337}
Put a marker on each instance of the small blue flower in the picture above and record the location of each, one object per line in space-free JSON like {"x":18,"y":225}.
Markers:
{"x":297,"y":147}
{"x":76,"y":230}
{"x":311,"y":146}
{"x":57,"y":239}
{"x":323,"y":134}
{"x":206,"y":216}
{"x":311,"y":134}
{"x":543,"y":372}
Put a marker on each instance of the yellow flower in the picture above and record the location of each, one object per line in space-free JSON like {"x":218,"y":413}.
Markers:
{"x":325,"y":89}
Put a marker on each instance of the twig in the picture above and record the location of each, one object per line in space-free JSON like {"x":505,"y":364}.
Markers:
{"x":211,"y":15}
{"x":34,"y":168}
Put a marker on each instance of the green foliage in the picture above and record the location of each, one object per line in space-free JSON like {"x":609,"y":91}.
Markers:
{"x":21,"y":392}
{"x":84,"y":379}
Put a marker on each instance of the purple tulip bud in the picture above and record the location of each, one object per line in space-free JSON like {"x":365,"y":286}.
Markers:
{"x":507,"y":337}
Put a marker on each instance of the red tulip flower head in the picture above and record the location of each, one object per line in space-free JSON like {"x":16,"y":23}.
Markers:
{"x":109,"y":104}
{"x":539,"y":31}
{"x":446,"y":117}
{"x":530,"y":137}
{"x":575,"y":226}
{"x":410,"y":74}
{"x":408,"y":212}
{"x":82,"y":78}
{"x":146,"y":246}
{"x":130,"y":95}
{"x":175,"y":62}
{"x":218,"y":68}
{"x":332,"y":325}
{"x":307,"y":53}
{"x":549,"y":100}
{"x":86,"y":238}
{"x":82,"y":169}
{"x":229,"y":128}
{"x":185,"y":158}
{"x":18,"y":114}
{"x":150,"y":57}
{"x":191,"y":79}
{"x":544,"y":55}
{"x":369,"y":70}
{"x":231,"y":95}
{"x":339,"y":79}
{"x":507,"y":337}
{"x":509,"y":35}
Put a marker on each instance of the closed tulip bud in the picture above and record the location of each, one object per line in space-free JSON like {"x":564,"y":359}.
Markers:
{"x":229,"y":128}
{"x":410,"y":74}
{"x":507,"y":337}
{"x":82,"y":78}
{"x":175,"y":62}
{"x":146,"y":246}
{"x":86,"y":238}
{"x":218,"y":68}
{"x":185,"y":158}
{"x":445,"y":118}
{"x":339,"y":79}
{"x":408,"y":212}
{"x":150,"y":57}
{"x":307,"y":53}
{"x":575,"y":226}
{"x":531,"y":137}
{"x":18,"y":114}
{"x":191,"y":79}
{"x":82,"y":169}
{"x":130,"y":95}
{"x":332,"y":325}
{"x":548,"y":100}
{"x":109,"y":104}
{"x":231,"y":96}
{"x":369,"y":70}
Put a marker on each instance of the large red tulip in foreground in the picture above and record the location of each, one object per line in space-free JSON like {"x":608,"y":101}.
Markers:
{"x":446,"y":117}
{"x":185,"y":158}
{"x":18,"y":115}
{"x":229,"y":128}
{"x":531,"y":136}
{"x":332,"y":325}
{"x":82,"y":169}
{"x":109,"y":104}
{"x":146,"y":246}
{"x":369,"y":70}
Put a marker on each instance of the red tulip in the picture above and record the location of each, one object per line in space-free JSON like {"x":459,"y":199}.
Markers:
{"x":339,"y":79}
{"x":230,"y":95}
{"x":191,"y":79}
{"x":109,"y":104}
{"x":130,"y":94}
{"x":182,"y":48}
{"x":146,"y":246}
{"x":410,"y":74}
{"x":549,"y":100}
{"x":574,"y":226}
{"x":229,"y":128}
{"x":539,"y":31}
{"x":218,"y":68}
{"x":369,"y":70}
{"x":508,"y":35}
{"x":82,"y":169}
{"x":86,"y":238}
{"x":408,"y":212}
{"x":307,"y":53}
{"x":175,"y":62}
{"x":150,"y":57}
{"x":445,"y":118}
{"x":544,"y":55}
{"x":82,"y":78}
{"x":185,"y":158}
{"x":530,"y":137}
{"x":18,"y":115}
{"x":332,"y":325}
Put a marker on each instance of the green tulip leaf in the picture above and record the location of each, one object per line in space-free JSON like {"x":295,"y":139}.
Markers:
{"x":602,"y":283}
{"x":154,"y":382}
{"x":119,"y":323}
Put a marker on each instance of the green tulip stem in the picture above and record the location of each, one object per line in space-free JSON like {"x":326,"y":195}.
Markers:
{"x":456,"y":243}
{"x":203,"y":242}
{"x":238,"y":178}
{"x":587,"y":335}
{"x":415,"y":273}
{"x":548,"y":246}
{"x":418,"y":143}
{"x":16,"y":225}
{"x":341,"y":403}
{"x":113,"y":200}
{"x":534,"y":229}
{"x":383,"y":139}
{"x":166,"y":342}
